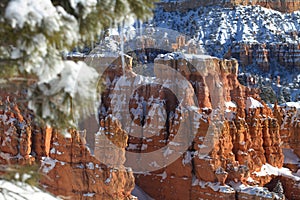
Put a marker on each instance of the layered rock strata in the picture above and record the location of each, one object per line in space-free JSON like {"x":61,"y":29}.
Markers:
{"x":287,"y":55}
{"x":232,"y":134}
{"x":68,"y":169}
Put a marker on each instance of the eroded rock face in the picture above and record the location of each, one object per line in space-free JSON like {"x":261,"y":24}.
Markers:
{"x":288,"y":120}
{"x":15,"y":134}
{"x":229,"y":134}
{"x":285,"y":54}
{"x":289,"y":127}
{"x":69,"y":161}
{"x":235,"y":132}
{"x":280,"y":5}
{"x":68,"y":168}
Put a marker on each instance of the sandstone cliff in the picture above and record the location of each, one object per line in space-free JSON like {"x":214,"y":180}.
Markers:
{"x":233,"y":150}
{"x":68,"y":169}
{"x":237,"y":138}
{"x":262,"y":55}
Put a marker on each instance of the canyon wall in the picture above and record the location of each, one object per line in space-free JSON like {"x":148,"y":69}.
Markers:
{"x":280,"y":5}
{"x":287,"y":55}
{"x":237,"y":138}
{"x":67,"y":167}
{"x":226,"y":141}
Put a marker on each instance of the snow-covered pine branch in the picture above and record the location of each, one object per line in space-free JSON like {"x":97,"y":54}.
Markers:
{"x":35,"y":33}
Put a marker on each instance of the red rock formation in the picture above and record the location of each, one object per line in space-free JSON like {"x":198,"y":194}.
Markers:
{"x":280,"y":5}
{"x":292,"y":186}
{"x":70,"y":170}
{"x":230,"y":144}
{"x":15,"y":135}
{"x":288,"y":118}
{"x":235,"y":134}
{"x":287,"y":55}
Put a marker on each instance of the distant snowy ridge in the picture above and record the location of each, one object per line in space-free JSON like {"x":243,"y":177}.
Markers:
{"x":218,"y":27}
{"x":280,"y":5}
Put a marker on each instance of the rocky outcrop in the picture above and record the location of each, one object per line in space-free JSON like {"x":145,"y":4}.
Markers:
{"x":292,"y":186}
{"x":15,"y":134}
{"x":69,"y":161}
{"x":288,"y":118}
{"x":228,"y":35}
{"x":68,"y":168}
{"x":235,"y":132}
{"x":213,"y":137}
{"x":287,"y":55}
{"x":280,"y":5}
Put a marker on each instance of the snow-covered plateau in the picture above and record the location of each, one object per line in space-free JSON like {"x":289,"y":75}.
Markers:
{"x":218,"y":27}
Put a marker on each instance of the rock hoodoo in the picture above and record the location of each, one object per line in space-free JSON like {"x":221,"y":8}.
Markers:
{"x":68,"y":169}
{"x":235,"y":149}
{"x":230,"y":146}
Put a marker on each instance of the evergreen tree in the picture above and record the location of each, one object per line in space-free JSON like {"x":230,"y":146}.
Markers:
{"x":278,"y":189}
{"x":35,"y":33}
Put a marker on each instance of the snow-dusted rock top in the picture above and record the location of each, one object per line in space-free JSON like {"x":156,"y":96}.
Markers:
{"x":253,"y":103}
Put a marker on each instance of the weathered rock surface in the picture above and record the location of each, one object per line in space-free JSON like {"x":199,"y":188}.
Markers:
{"x":280,"y":5}
{"x":236,"y":133}
{"x":68,"y":168}
{"x":289,"y":127}
{"x":287,"y":55}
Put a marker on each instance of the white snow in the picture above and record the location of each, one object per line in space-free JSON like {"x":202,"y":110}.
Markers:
{"x":268,"y":169}
{"x":32,"y":12}
{"x":252,"y":190}
{"x":217,"y":27}
{"x":291,"y":105}
{"x":21,"y":191}
{"x":215,"y":186}
{"x":90,"y":165}
{"x":253,"y":103}
{"x":132,"y":146}
{"x":90,"y":194}
{"x":107,"y":181}
{"x":167,"y":152}
{"x":25,"y":177}
{"x":230,"y":104}
{"x":77,"y":80}
{"x":52,"y":151}
{"x":42,"y":13}
{"x":163,"y":175}
{"x":201,"y":146}
{"x":144,"y":147}
{"x":74,"y":78}
{"x":47,"y":164}
{"x":230,"y":115}
{"x":250,"y":180}
{"x":42,"y":56}
{"x":187,"y":158}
